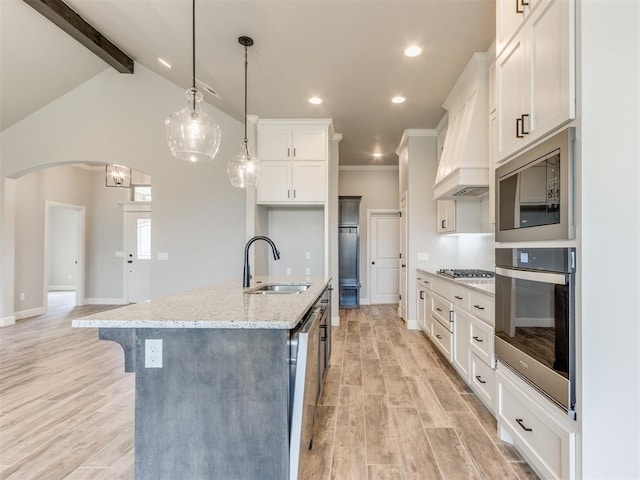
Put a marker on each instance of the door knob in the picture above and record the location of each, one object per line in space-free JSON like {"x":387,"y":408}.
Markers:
{"x":373,"y":263}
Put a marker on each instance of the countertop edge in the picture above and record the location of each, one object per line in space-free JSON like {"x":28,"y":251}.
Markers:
{"x":467,"y":283}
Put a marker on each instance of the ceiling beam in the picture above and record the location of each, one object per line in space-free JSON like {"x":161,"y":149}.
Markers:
{"x":64,"y":17}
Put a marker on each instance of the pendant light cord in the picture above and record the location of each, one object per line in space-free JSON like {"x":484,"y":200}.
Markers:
{"x":193,"y":42}
{"x":246,"y":66}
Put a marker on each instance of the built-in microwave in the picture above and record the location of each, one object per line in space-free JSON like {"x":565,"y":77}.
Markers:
{"x":534,"y":193}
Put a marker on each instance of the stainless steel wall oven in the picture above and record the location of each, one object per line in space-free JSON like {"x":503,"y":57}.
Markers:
{"x":535,"y":319}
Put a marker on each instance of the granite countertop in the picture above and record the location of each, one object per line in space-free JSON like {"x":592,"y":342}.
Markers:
{"x":225,"y":305}
{"x":481,"y":285}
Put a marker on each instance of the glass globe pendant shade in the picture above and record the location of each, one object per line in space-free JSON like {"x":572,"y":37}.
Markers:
{"x":244,"y":170}
{"x":191,"y":134}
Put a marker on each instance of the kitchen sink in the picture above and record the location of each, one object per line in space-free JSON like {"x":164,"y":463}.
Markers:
{"x":280,"y":288}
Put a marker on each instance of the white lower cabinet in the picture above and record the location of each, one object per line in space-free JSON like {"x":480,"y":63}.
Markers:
{"x":482,"y":381}
{"x":461,"y":336}
{"x":542,"y":436}
{"x":442,"y":339}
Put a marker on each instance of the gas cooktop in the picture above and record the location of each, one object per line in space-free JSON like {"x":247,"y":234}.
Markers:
{"x":465,"y":273}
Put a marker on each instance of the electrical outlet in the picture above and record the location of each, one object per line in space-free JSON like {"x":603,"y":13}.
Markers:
{"x":153,"y":353}
{"x":307,"y":255}
{"x":22,"y":297}
{"x":423,"y":256}
{"x":288,"y":271}
{"x":307,"y":271}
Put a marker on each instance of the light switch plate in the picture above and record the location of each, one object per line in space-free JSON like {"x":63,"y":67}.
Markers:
{"x":423,"y":256}
{"x":163,"y":255}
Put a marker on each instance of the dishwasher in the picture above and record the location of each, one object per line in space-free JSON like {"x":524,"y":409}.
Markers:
{"x":305,"y":378}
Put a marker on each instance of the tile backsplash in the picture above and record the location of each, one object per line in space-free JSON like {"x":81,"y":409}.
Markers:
{"x":476,"y":251}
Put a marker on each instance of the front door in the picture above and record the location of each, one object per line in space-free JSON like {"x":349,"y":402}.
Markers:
{"x":384,"y":251}
{"x":137,"y":243}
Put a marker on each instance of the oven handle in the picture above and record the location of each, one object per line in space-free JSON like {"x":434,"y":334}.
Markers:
{"x":544,"y":277}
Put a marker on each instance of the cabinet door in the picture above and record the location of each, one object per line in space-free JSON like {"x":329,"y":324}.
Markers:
{"x":275,"y":182}
{"x":552,"y":67}
{"x":461,"y":343}
{"x":274,"y":142}
{"x":421,"y":305}
{"x":513,"y":88}
{"x":309,"y":143}
{"x":309,"y":181}
{"x":493,"y":159}
{"x":446,"y":216}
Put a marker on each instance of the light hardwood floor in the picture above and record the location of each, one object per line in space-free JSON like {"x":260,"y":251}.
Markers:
{"x":391,"y":407}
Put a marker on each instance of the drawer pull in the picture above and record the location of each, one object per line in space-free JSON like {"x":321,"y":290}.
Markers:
{"x":421,"y":295}
{"x":479,"y":340}
{"x":478,"y":307}
{"x":439,"y":309}
{"x":520,"y":422}
{"x":480,"y":380}
{"x":439,"y":337}
{"x":458,"y":298}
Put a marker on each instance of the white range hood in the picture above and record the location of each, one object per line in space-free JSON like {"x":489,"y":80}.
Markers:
{"x":464,"y":165}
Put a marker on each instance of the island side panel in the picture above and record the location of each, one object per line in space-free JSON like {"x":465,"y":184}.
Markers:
{"x":218,"y":408}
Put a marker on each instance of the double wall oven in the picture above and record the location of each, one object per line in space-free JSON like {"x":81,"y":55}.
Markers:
{"x":535,"y":283}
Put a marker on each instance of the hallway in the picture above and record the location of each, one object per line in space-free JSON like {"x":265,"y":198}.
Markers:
{"x":391,"y":407}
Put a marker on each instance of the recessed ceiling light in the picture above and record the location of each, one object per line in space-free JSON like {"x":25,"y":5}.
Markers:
{"x":377,"y":155}
{"x":164,"y":62}
{"x":398,"y":99}
{"x":413,"y":51}
{"x":315,"y":100}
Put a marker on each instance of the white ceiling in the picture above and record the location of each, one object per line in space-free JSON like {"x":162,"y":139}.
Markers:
{"x":348,"y":52}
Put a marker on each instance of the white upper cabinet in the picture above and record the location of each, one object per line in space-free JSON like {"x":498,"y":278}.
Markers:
{"x":292,"y":142}
{"x":510,"y":16}
{"x":294,"y":158}
{"x":535,"y":75}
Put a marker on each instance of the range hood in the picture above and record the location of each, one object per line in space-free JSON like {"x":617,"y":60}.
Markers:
{"x":463,"y":170}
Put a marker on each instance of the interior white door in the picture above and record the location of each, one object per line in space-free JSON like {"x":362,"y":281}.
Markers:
{"x":137,"y":243}
{"x":384,"y":248}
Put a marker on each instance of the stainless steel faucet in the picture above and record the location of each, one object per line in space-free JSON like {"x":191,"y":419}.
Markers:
{"x":246,"y":275}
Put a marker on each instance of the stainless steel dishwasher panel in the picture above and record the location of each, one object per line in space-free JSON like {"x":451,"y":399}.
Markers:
{"x":305,"y":390}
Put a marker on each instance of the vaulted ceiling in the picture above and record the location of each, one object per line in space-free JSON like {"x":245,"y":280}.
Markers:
{"x":348,"y":52}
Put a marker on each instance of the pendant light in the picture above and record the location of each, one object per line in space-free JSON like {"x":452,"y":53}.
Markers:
{"x":244,"y":169}
{"x":191,"y":134}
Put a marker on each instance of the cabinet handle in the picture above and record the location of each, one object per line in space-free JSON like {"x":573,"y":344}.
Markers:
{"x":478,"y":307}
{"x":294,"y":151}
{"x":520,"y":422}
{"x":288,"y":193}
{"x":458,"y":298}
{"x":518,"y":9}
{"x":525,"y":115}
{"x":479,"y":340}
{"x":403,"y":265}
{"x":518,"y":124}
{"x":421,"y":295}
{"x":294,"y":193}
{"x":439,"y":337}
{"x":480,"y":380}
{"x":443,"y":224}
{"x":439,"y":309}
{"x":288,"y":152}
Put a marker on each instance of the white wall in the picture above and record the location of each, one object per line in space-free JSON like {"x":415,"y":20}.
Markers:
{"x":379,"y":190}
{"x":609,"y":257}
{"x":295,"y":231}
{"x":198,"y":216}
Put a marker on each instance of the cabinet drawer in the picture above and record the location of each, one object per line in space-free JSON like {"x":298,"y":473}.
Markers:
{"x":443,"y":288}
{"x":424,"y":281}
{"x":442,"y":339}
{"x":483,"y":381}
{"x":546,"y":443}
{"x":440,"y":310}
{"x":461,"y":297}
{"x":482,"y":307}
{"x":481,"y":340}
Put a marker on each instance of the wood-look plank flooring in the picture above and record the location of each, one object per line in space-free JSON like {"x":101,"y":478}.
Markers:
{"x":391,"y":407}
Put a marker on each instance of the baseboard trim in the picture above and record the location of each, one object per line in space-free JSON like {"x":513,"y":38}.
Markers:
{"x":33,"y":312}
{"x":412,"y":325}
{"x":105,"y":301}
{"x":8,"y":321}
{"x":335,"y":321}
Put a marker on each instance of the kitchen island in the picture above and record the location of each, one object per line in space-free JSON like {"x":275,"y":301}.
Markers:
{"x":213,"y":385}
